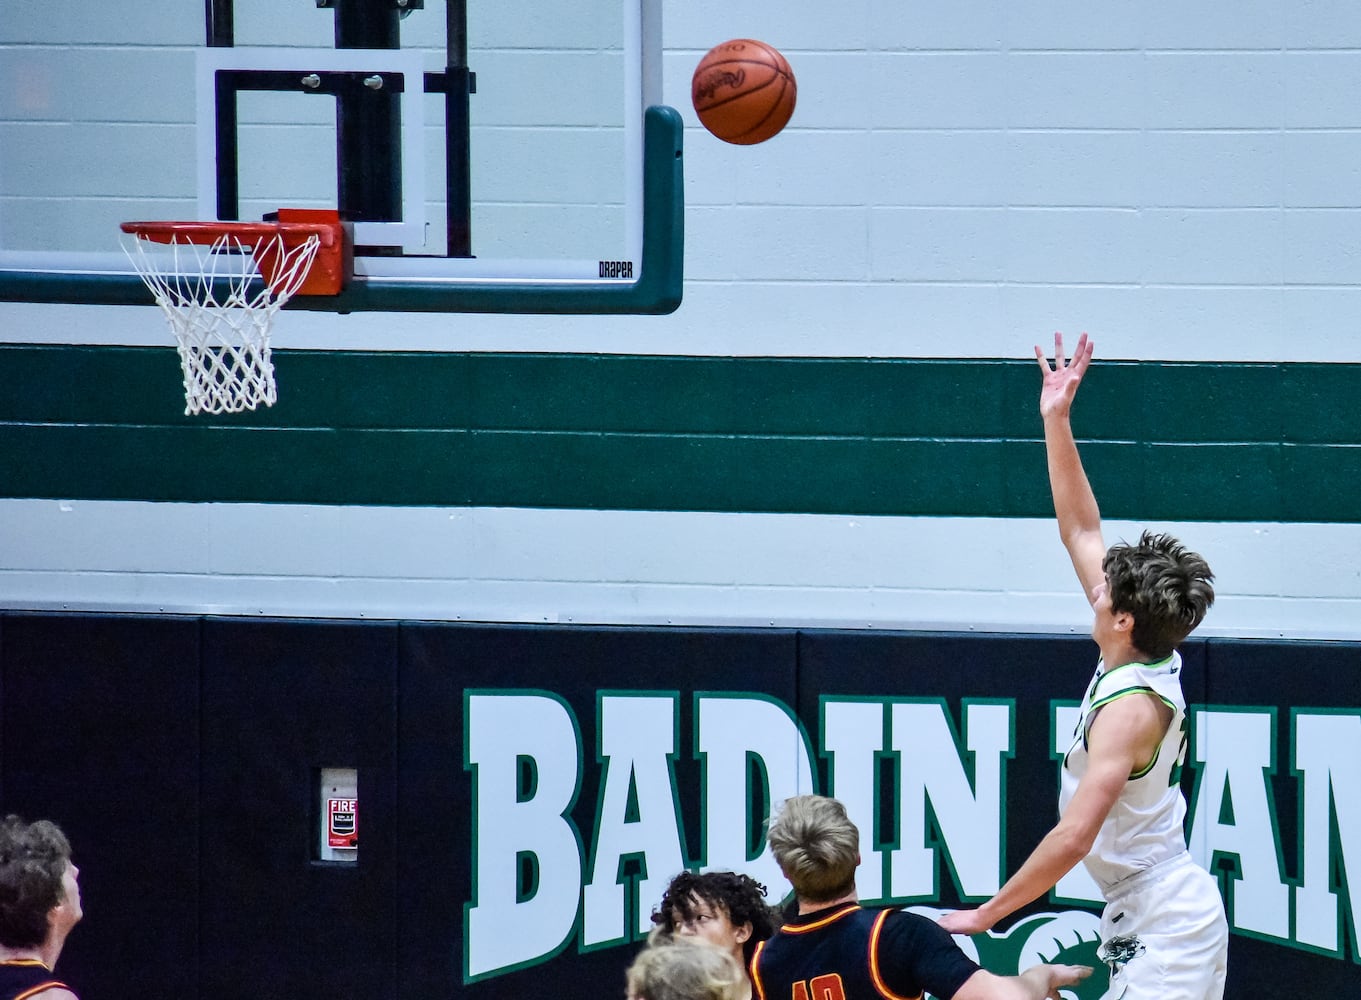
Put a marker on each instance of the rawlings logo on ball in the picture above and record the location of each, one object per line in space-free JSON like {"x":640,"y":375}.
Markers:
{"x":705,"y":89}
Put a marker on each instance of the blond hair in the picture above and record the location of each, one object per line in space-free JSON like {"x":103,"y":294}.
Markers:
{"x":816,"y":846}
{"x":678,"y":968}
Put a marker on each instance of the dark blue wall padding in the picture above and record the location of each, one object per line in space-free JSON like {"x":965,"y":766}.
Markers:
{"x":438,"y":663}
{"x":101,"y":734}
{"x":180,"y":755}
{"x":282,"y":699}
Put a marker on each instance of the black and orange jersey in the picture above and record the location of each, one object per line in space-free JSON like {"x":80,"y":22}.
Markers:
{"x":848,"y":952}
{"x":21,"y":978}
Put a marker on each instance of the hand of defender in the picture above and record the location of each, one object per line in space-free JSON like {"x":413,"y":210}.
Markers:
{"x":1061,"y":381}
{"x":964,"y":922}
{"x":1065,"y":975}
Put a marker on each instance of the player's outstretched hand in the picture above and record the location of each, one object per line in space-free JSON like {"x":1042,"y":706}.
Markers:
{"x":1061,"y":380}
{"x":1061,"y":976}
{"x":964,"y":922}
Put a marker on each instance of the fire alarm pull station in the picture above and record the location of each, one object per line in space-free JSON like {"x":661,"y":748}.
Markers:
{"x":339,"y":814}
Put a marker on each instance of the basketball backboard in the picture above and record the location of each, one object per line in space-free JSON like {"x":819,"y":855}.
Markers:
{"x":492,"y":157}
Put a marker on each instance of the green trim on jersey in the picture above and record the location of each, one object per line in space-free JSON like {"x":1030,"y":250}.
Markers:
{"x":1097,"y":705}
{"x":1101,"y":703}
{"x":1117,"y":695}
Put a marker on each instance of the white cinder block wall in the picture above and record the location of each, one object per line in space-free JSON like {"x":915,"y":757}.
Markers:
{"x":959,"y":180}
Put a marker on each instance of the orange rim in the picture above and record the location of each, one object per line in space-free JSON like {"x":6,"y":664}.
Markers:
{"x":208,"y":233}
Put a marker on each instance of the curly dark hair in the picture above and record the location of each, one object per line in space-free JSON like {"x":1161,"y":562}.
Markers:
{"x":1164,"y":585}
{"x":740,"y":896}
{"x":33,"y":860}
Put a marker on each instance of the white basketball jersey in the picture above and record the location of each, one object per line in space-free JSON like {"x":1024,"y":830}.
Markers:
{"x":1144,"y":826}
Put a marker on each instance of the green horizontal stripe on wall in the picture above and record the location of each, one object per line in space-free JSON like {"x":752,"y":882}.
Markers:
{"x":1222,"y":442}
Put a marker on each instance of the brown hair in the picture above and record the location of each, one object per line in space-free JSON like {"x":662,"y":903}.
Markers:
{"x":1164,"y":585}
{"x":33,"y":860}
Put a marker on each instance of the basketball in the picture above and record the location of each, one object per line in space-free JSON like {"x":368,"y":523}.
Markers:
{"x":743,"y":91}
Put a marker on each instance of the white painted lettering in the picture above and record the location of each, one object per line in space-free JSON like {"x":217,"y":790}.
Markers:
{"x":853,"y":735}
{"x":635,"y":817}
{"x":967,"y":813}
{"x":1327,"y":750}
{"x":1234,"y":818}
{"x":732,"y":733}
{"x":508,"y":924}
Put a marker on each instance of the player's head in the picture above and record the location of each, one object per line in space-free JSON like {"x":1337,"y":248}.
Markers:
{"x":684,"y":968}
{"x":1163,"y":585}
{"x":816,"y":846}
{"x":38,"y":891}
{"x":727,"y":909}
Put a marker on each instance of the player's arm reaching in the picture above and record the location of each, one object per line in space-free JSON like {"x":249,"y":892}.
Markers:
{"x":931,"y":962}
{"x":1036,"y":983}
{"x":1075,"y":505}
{"x":1119,"y":738}
{"x":1117,"y":747}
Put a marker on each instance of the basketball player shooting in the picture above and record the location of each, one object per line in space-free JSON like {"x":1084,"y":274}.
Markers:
{"x":1121,"y":809}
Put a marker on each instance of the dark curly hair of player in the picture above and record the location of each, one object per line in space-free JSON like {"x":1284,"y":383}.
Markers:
{"x":740,"y":896}
{"x":33,"y":860}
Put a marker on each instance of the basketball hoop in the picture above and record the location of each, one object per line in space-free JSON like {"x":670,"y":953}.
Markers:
{"x":207,"y":284}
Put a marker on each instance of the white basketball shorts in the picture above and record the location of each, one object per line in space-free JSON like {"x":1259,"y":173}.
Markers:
{"x":1164,"y":935}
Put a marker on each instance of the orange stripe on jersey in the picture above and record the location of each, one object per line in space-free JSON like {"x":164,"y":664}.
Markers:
{"x":879,"y":983}
{"x":41,"y":987}
{"x":817,"y":925}
{"x":756,"y":983}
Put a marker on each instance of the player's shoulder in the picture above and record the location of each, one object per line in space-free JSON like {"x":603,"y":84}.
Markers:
{"x":904,"y":923}
{"x":53,"y":993}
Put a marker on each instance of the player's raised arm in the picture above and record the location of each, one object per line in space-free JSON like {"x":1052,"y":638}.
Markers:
{"x":1036,"y":983}
{"x":1074,"y":503}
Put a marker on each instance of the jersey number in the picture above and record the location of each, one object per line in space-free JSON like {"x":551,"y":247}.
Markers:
{"x":826,"y":987}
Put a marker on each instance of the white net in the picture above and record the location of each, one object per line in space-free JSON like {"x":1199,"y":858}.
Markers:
{"x":222,"y":323}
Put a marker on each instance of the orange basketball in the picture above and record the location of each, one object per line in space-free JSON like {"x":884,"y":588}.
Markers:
{"x":743,"y":91}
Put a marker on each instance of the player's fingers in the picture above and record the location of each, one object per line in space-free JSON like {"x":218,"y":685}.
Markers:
{"x":1058,"y":350}
{"x":1043,"y":359}
{"x":1083,"y":355}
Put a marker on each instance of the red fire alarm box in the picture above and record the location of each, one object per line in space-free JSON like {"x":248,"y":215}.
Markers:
{"x":336,"y":815}
{"x":342,"y":823}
